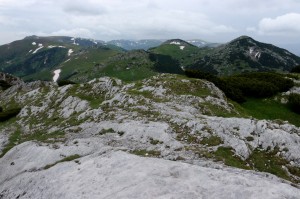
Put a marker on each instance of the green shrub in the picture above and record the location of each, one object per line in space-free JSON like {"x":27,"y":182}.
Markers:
{"x":252,"y":87}
{"x":212,"y":141}
{"x":294,"y":102}
{"x":278,"y":80}
{"x":66,"y":159}
{"x":4,"y":85}
{"x":237,"y":87}
{"x":64,"y":82}
{"x":6,"y":115}
{"x":229,"y":90}
{"x":296,"y":69}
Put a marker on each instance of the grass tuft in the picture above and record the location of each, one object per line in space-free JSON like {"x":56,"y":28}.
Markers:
{"x":66,"y":159}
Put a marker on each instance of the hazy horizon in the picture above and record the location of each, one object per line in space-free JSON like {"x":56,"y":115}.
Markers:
{"x":270,"y":21}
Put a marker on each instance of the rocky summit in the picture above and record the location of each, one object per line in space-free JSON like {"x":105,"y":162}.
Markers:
{"x":167,"y":136}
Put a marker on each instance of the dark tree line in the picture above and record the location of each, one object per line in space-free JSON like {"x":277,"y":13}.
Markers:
{"x":294,"y":102}
{"x":296,"y":69}
{"x":238,"y":87}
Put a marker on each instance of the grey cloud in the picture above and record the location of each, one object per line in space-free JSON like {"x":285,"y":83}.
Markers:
{"x":287,"y":23}
{"x":212,"y":20}
{"x":84,"y":8}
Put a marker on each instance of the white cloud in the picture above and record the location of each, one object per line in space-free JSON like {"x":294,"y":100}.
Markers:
{"x":77,"y":32}
{"x":251,"y":29}
{"x":284,"y":24}
{"x":84,"y":8}
{"x":212,"y":20}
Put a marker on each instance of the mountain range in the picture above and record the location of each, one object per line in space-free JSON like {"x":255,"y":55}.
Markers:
{"x":134,"y":124}
{"x":244,"y":54}
{"x":34,"y":57}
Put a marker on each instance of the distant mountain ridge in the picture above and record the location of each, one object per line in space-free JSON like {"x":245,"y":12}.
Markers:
{"x":34,"y":57}
{"x":144,"y":44}
{"x":245,"y":54}
{"x":201,"y":43}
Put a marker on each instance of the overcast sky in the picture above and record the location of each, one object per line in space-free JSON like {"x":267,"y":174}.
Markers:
{"x":272,"y":21}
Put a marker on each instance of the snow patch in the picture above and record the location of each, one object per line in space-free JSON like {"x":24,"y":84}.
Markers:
{"x":56,"y":75}
{"x":70,"y":52}
{"x":257,"y":55}
{"x":181,"y":47}
{"x":74,"y":41}
{"x":251,"y":50}
{"x":51,"y":46}
{"x":33,"y":43}
{"x":175,"y":43}
{"x":40,"y":47}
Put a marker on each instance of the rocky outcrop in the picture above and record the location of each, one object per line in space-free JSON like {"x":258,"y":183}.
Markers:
{"x":116,"y":174}
{"x":179,"y":127}
{"x":7,"y":80}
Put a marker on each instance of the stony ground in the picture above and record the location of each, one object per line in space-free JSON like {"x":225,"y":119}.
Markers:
{"x":163,"y":137}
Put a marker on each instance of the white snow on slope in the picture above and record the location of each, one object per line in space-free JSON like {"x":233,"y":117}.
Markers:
{"x":181,"y":47}
{"x":56,"y":75}
{"x":257,"y":55}
{"x":70,"y":52}
{"x":115,"y":174}
{"x":175,"y":43}
{"x":40,"y":47}
{"x":74,"y":41}
{"x":33,"y":43}
{"x":251,"y":50}
{"x":51,"y":46}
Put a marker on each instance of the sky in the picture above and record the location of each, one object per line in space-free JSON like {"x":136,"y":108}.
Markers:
{"x":270,"y":21}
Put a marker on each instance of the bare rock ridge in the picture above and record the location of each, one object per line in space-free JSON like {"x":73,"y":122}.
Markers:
{"x":167,"y":136}
{"x":7,"y":80}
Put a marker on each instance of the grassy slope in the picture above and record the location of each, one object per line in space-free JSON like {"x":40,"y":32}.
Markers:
{"x":270,"y":109}
{"x":130,"y":66}
{"x":131,"y":74}
{"x":186,"y":56}
{"x":86,"y":61}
